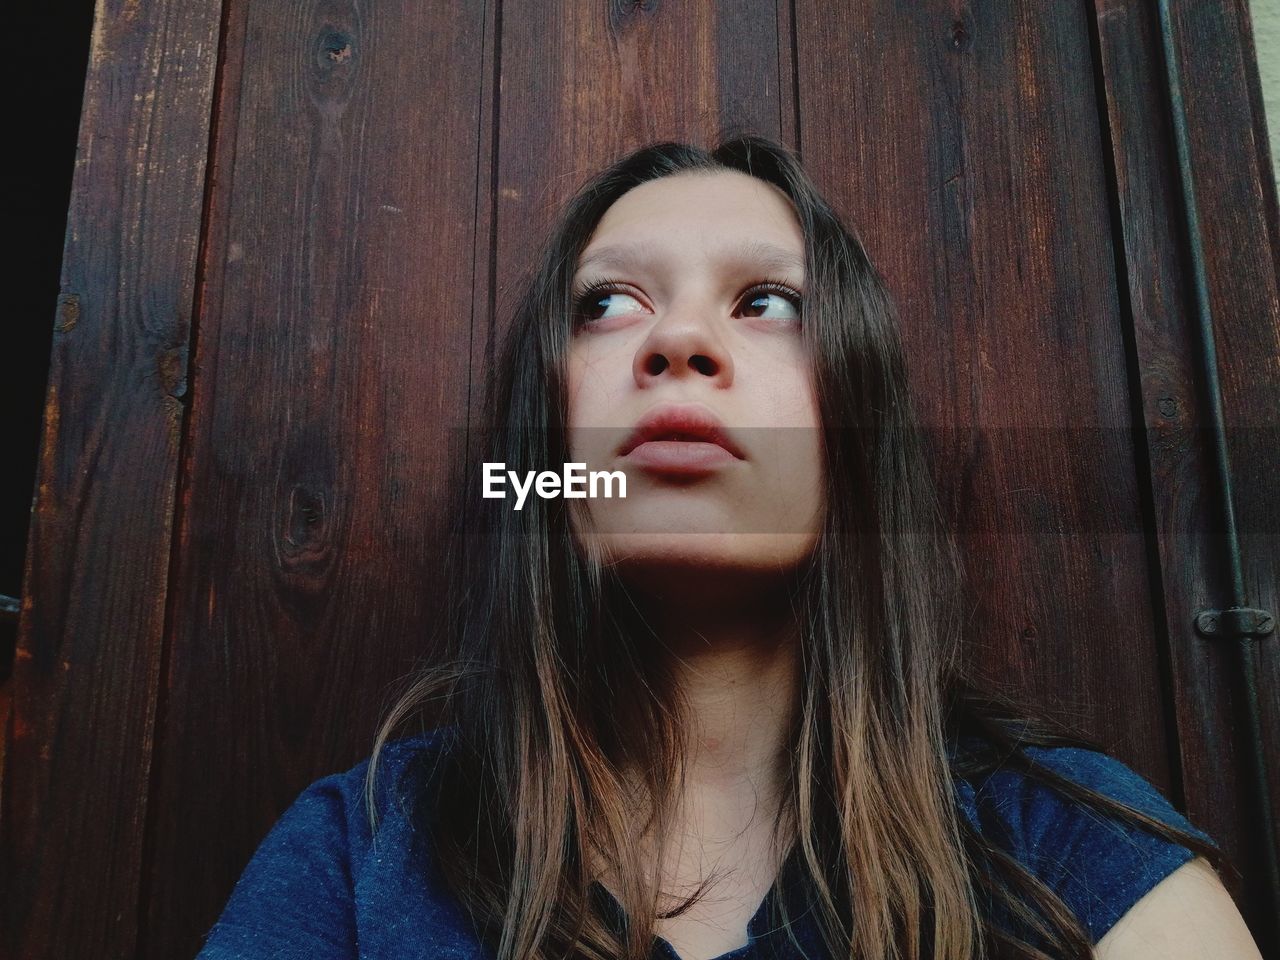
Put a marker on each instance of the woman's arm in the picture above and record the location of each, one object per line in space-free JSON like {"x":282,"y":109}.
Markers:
{"x":1187,"y":916}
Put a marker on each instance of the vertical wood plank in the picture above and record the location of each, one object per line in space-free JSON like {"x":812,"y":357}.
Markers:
{"x":84,"y":688}
{"x":976,"y":177}
{"x":1209,"y":710}
{"x":328,"y":403}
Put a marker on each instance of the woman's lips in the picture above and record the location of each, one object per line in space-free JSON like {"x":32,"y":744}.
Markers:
{"x":679,"y":457}
{"x":680,"y":439}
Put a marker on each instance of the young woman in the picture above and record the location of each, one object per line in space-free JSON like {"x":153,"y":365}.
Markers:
{"x":722,"y":716}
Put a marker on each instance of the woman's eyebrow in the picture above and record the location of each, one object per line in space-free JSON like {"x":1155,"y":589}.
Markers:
{"x":753,"y":253}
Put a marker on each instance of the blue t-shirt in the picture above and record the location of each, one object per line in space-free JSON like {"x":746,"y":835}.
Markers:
{"x":321,"y":887}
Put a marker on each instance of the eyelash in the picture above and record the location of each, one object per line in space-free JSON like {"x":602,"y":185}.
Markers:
{"x":598,"y":288}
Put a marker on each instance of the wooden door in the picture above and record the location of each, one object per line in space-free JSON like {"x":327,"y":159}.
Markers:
{"x":295,"y":232}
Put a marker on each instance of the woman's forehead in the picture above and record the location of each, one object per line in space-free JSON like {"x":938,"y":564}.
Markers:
{"x":727,"y":198}
{"x":730,"y":251}
{"x":729,"y":219}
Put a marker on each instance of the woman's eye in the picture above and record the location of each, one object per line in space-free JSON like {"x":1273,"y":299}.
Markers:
{"x":595,"y":304}
{"x":785,"y":299}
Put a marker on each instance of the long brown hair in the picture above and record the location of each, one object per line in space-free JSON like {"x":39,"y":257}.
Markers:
{"x":541,"y":674}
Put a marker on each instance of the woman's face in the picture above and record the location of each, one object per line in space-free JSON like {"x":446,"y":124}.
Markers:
{"x":698,"y":325}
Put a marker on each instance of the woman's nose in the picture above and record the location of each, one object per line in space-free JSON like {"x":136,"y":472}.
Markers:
{"x":680,"y":346}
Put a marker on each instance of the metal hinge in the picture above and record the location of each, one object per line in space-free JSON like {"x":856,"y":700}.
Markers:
{"x":1235,"y":623}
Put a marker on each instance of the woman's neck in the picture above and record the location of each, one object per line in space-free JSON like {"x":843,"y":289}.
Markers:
{"x":734,"y":660}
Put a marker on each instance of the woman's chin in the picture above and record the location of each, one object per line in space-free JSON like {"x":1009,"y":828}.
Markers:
{"x":683,"y":552}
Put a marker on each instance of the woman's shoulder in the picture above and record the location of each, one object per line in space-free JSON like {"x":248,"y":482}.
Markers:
{"x":392,"y":775}
{"x":1097,"y":860}
{"x":318,"y":882}
{"x":1022,"y":787}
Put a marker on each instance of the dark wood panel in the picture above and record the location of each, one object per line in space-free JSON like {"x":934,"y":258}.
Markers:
{"x":1205,"y":674}
{"x":89,"y":656}
{"x":329,"y":400}
{"x":977,"y":180}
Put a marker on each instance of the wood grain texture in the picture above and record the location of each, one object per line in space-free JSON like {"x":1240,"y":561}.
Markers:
{"x":84,"y":688}
{"x":977,"y":180}
{"x":1209,"y":712}
{"x":329,"y":400}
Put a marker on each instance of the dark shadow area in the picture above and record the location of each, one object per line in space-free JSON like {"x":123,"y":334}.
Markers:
{"x":45,"y":75}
